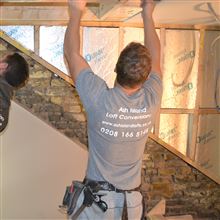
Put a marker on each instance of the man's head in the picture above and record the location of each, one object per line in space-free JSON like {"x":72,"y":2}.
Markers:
{"x":133,"y":66}
{"x":14,"y":69}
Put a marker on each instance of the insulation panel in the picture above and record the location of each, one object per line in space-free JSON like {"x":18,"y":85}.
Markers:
{"x":134,"y":34}
{"x":180,"y":68}
{"x":210,"y":92}
{"x":208,"y":143}
{"x":23,"y":34}
{"x":51,"y":45}
{"x":173,"y":130}
{"x":100,"y":49}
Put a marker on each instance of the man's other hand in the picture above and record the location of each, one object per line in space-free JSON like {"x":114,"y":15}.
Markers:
{"x":77,"y":4}
{"x":148,"y":7}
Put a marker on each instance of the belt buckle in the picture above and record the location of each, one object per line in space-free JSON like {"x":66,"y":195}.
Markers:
{"x":105,"y":186}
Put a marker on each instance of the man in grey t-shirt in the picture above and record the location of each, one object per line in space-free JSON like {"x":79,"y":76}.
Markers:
{"x":119,"y":119}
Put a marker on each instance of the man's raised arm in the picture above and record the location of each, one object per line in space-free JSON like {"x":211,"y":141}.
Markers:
{"x":151,"y":39}
{"x":76,"y":62}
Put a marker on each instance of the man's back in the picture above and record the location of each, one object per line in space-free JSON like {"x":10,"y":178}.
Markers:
{"x":118,"y":127}
{"x":119,"y":119}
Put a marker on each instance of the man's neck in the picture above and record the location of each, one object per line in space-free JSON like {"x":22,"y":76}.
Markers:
{"x":127,"y":90}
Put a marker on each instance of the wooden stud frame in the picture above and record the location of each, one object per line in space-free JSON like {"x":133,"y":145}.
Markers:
{"x":42,"y":2}
{"x":192,"y":151}
{"x":37,"y":40}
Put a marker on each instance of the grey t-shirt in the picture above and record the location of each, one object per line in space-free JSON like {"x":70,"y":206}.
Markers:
{"x":118,"y":127}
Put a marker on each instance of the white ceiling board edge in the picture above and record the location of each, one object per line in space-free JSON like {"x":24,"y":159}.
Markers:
{"x":183,"y":12}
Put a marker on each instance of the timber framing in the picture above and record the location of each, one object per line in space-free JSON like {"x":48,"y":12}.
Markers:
{"x":111,"y":24}
{"x":62,"y":2}
{"x":42,"y":2}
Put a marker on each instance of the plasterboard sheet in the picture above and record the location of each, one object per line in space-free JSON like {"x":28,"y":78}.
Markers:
{"x":134,"y":34}
{"x":210,"y":92}
{"x":51,"y":45}
{"x":173,"y":130}
{"x":100,"y":49}
{"x":123,"y":12}
{"x":180,"y":68}
{"x":23,"y":34}
{"x":208,"y":143}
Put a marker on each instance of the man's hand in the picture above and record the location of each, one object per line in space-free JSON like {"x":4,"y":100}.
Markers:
{"x":148,"y":7}
{"x":78,"y":5}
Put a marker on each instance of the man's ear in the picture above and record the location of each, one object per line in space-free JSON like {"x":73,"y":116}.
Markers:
{"x":3,"y":67}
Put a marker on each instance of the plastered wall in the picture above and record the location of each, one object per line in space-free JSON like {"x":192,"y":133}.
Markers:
{"x":37,"y":162}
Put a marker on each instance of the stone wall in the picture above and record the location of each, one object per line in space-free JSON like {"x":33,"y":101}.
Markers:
{"x":185,"y":189}
{"x":164,"y":175}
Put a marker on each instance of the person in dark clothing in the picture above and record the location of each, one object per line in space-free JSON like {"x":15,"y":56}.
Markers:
{"x":14,"y":72}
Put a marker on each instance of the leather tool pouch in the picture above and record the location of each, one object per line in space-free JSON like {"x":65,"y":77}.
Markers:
{"x":71,"y":196}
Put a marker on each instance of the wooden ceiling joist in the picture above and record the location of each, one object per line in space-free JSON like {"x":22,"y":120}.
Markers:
{"x":42,"y":2}
{"x":102,"y":9}
{"x":64,"y":2}
{"x":90,"y":3}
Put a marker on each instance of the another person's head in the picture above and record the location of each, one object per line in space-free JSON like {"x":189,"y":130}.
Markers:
{"x":133,"y":66}
{"x":14,"y":69}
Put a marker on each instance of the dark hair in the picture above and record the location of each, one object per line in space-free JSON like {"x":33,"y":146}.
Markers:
{"x":17,"y":71}
{"x":133,"y":66}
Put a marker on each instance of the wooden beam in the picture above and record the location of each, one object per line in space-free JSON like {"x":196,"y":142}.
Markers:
{"x":192,"y":148}
{"x":94,"y":23}
{"x":37,"y":40}
{"x":203,"y":111}
{"x":189,"y":111}
{"x":100,"y":8}
{"x":133,"y":3}
{"x":162,"y":45}
{"x":176,"y":111}
{"x":159,"y":209}
{"x":43,"y":3}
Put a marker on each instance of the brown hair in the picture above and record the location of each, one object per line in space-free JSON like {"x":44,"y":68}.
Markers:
{"x":133,"y":66}
{"x":17,"y":71}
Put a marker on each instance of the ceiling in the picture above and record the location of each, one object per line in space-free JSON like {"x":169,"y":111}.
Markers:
{"x":186,"y":12}
{"x":193,"y":12}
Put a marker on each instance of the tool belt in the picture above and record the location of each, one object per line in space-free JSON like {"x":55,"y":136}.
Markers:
{"x":90,"y":189}
{"x":72,"y":194}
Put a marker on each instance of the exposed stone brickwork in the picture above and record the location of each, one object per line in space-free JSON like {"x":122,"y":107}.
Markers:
{"x":186,"y":190}
{"x":164,"y":175}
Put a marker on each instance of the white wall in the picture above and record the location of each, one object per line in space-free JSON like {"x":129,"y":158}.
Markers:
{"x":37,"y":162}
